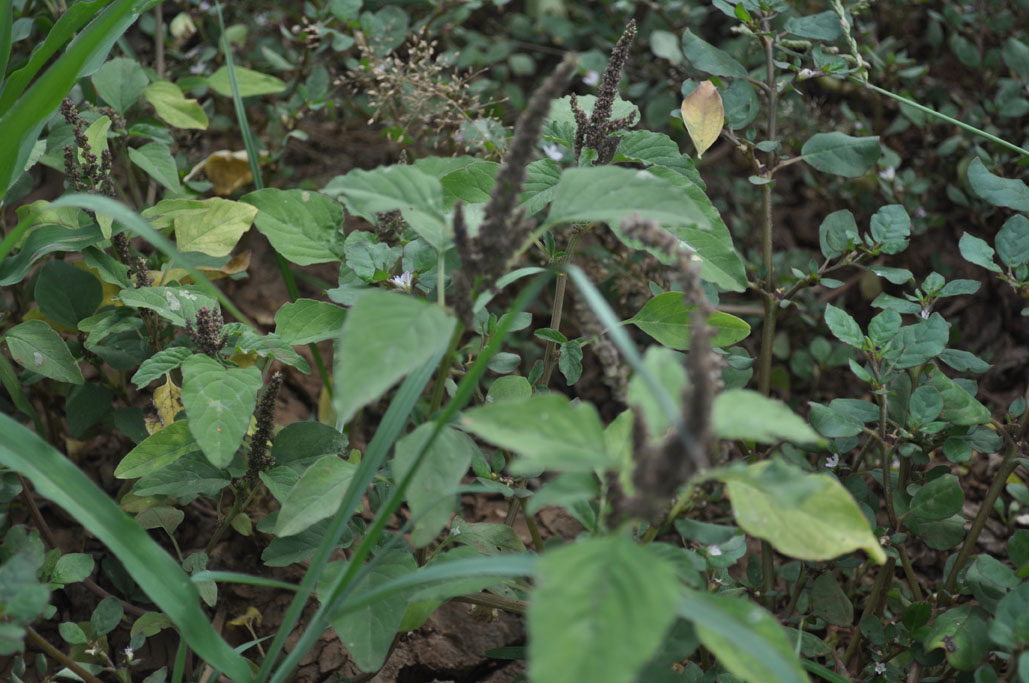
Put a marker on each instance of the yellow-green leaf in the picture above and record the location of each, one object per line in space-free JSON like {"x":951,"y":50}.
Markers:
{"x":703,"y":114}
{"x":96,"y":135}
{"x":216,"y":230}
{"x":173,"y":107}
{"x":250,"y":82}
{"x":806,"y":516}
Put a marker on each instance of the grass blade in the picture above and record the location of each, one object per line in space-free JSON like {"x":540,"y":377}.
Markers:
{"x":24,"y":120}
{"x":6,"y":28}
{"x":161,"y":578}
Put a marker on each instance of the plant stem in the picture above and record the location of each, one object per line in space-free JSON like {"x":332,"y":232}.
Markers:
{"x":909,"y":573}
{"x":882,"y":582}
{"x":559,"y":302}
{"x":444,"y":369}
{"x":240,"y":503}
{"x":1000,"y":479}
{"x":56,"y":654}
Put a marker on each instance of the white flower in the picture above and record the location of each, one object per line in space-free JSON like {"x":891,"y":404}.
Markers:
{"x":591,"y":78}
{"x":880,"y":668}
{"x":553,"y":151}
{"x":197,"y":68}
{"x":805,"y":74}
{"x":920,"y":212}
{"x":715,"y":551}
{"x":889,"y":174}
{"x":832,"y":462}
{"x":925,"y":314}
{"x":402,"y":281}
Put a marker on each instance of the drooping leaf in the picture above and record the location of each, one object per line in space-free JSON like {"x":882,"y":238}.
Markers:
{"x":745,"y":414}
{"x":315,"y":496}
{"x":704,"y":56}
{"x":997,"y":190}
{"x":250,"y":82}
{"x":156,"y":159}
{"x":599,"y":611}
{"x":173,"y":107}
{"x":35,"y":346}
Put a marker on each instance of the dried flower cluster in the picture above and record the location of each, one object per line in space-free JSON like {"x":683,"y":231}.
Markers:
{"x":663,"y":468}
{"x":207,"y":334}
{"x":264,"y":415}
{"x":505,"y":228}
{"x":420,"y":93}
{"x":596,"y":132}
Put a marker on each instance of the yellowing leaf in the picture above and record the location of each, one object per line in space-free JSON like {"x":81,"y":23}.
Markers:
{"x":703,"y":114}
{"x":227,"y":171}
{"x":216,"y":230}
{"x":251,"y":617}
{"x":173,"y":107}
{"x":168,"y":399}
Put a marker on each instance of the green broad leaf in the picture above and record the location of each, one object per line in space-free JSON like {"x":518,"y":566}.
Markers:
{"x":838,"y":233}
{"x":990,"y":580}
{"x":963,"y":361}
{"x":510,"y":388}
{"x":431,"y":496}
{"x":299,"y":444}
{"x":541,"y":179}
{"x":35,"y":346}
{"x":829,"y":602}
{"x":747,"y":640}
{"x":925,"y":405}
{"x":977,"y":251}
{"x":884,"y":327}
{"x":219,"y":402}
{"x":173,"y":107}
{"x":44,"y":240}
{"x":216,"y":230}
{"x":656,"y":149}
{"x":823,"y":524}
{"x":120,"y":82}
{"x":959,"y":407}
{"x":665,"y":44}
{"x":303,"y":226}
{"x":921,"y":342}
{"x":741,"y":104}
{"x":418,"y":195}
{"x":385,"y":336}
{"x":1006,"y":629}
{"x":57,"y":478}
{"x":157,"y":365}
{"x":305,"y":321}
{"x":612,"y":194}
{"x":546,"y":431}
{"x":368,"y":631}
{"x":1016,"y":56}
{"x":833,"y":423}
{"x":747,"y":415}
{"x":666,"y":366}
{"x":72,"y":568}
{"x":841,"y":154}
{"x":486,"y":537}
{"x":668,"y":319}
{"x":959,"y":287}
{"x":890,"y":226}
{"x":706,"y":57}
{"x":939,"y":499}
{"x":600,"y":610}
{"x":66,"y":294}
{"x":471,"y":184}
{"x":96,"y":136}
{"x":843,"y":326}
{"x":174,"y":304}
{"x":996,"y":190}
{"x":158,"y":450}
{"x":315,"y":496}
{"x":251,"y":83}
{"x":961,"y":632}
{"x":156,"y":159}
{"x":189,"y":476}
{"x":569,"y":361}
{"x":86,"y":404}
{"x":821,"y":26}
{"x":1013,"y":241}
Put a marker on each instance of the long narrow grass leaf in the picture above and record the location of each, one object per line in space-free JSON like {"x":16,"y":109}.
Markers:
{"x":390,"y":427}
{"x":6,"y":34}
{"x":239,"y":577}
{"x":24,"y":120}
{"x":161,"y":578}
{"x":339,"y":589}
